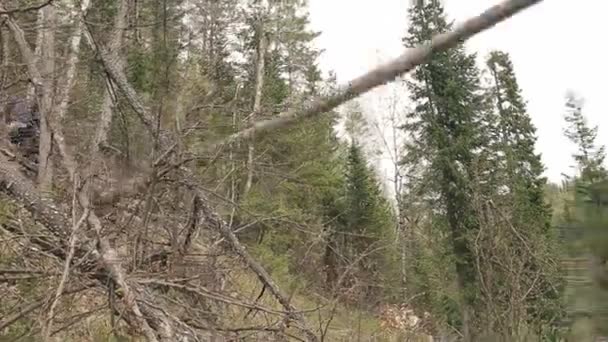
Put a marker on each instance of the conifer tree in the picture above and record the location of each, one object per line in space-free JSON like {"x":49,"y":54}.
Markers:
{"x":586,"y":215}
{"x":367,"y":224}
{"x":445,"y":136}
{"x":589,"y":157}
{"x":516,"y":132}
{"x":524,"y":199}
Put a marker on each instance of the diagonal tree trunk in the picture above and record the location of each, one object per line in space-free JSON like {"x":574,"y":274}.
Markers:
{"x":116,"y":75}
{"x":116,"y":39}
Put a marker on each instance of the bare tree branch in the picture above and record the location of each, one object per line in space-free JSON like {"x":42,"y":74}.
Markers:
{"x":115,"y":72}
{"x":27,"y":9}
{"x":24,"y":311}
{"x":64,"y":277}
{"x":258,"y":269}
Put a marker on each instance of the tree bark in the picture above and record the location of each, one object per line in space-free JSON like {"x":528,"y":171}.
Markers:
{"x":70,"y":75}
{"x":45,"y":164}
{"x":3,"y":97}
{"x":257,"y":102}
{"x":31,"y":92}
{"x":120,"y":23}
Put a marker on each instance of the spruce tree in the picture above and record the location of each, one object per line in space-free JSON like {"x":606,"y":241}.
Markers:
{"x":524,"y":199}
{"x":589,"y":157}
{"x":516,"y":132}
{"x":445,"y":135}
{"x":367,"y":226}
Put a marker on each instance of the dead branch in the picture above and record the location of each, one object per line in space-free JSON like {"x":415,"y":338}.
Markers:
{"x":191,"y":226}
{"x":137,"y":304}
{"x":202,"y":292}
{"x":27,"y":9}
{"x":258,"y":269}
{"x":64,"y":277}
{"x":23,"y":311}
{"x":115,"y":72}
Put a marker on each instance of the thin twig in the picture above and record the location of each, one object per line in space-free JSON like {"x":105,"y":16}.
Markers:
{"x":66,"y":271}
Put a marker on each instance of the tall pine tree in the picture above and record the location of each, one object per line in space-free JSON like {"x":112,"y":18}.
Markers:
{"x":445,"y":136}
{"x":589,"y":157}
{"x":520,"y":177}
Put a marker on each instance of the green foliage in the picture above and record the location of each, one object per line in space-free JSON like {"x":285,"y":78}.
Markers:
{"x":476,"y":177}
{"x":591,"y":216}
{"x":368,"y":220}
{"x":140,"y":69}
{"x":520,"y":174}
{"x":589,"y":157}
{"x":445,"y":135}
{"x":355,"y":124}
{"x":478,"y":236}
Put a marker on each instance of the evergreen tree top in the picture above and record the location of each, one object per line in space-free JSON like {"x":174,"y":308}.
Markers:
{"x":589,"y":156}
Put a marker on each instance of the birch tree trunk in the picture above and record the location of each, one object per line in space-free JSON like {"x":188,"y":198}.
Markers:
{"x":47,"y":53}
{"x":114,"y":46}
{"x":31,"y":92}
{"x":3,"y":98}
{"x":74,"y":53}
{"x":257,"y":103}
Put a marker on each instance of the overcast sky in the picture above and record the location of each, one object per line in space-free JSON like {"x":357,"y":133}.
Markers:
{"x":555,"y":46}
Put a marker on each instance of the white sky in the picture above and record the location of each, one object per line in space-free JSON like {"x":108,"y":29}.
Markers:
{"x":555,"y":46}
